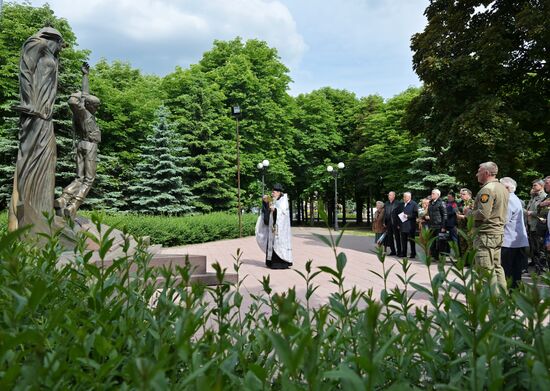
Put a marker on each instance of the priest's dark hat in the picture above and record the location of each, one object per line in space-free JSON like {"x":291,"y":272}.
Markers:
{"x":278,"y":187}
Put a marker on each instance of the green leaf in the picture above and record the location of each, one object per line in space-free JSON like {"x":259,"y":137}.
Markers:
{"x":322,"y":211}
{"x":39,"y":291}
{"x":329,"y":270}
{"x":421,"y":288}
{"x":323,"y":238}
{"x":341,"y":261}
{"x":258,"y":371}
{"x":252,"y":382}
{"x":348,"y":378}
{"x":282,"y":349}
{"x":20,"y":301}
{"x":540,"y":376}
{"x":339,"y":238}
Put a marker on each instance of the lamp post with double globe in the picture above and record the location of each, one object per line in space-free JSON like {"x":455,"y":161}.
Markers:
{"x":334,"y":173}
{"x":263,"y":166}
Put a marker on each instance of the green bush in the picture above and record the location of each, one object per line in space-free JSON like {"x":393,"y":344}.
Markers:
{"x":80,"y":326}
{"x":175,"y":231}
{"x":3,"y":222}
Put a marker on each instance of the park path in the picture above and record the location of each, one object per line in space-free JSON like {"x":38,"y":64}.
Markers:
{"x":359,"y":250}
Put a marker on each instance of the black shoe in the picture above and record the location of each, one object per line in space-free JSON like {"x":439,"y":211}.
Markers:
{"x":402,"y":255}
{"x":279,"y":265}
{"x":412,"y":256}
{"x":392,"y":254}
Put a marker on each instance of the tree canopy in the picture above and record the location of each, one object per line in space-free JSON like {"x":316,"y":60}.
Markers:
{"x":486,"y":85}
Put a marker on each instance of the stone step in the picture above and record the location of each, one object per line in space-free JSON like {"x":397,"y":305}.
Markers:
{"x":209,"y":279}
{"x":198,"y":262}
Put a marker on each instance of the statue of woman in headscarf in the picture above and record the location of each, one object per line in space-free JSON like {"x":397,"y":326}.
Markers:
{"x":34,"y":179}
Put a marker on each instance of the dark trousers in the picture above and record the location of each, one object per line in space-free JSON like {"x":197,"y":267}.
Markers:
{"x":453,"y":234}
{"x":435,"y":248}
{"x":513,"y":261}
{"x":408,"y":237}
{"x":393,"y":238}
{"x":538,"y":253}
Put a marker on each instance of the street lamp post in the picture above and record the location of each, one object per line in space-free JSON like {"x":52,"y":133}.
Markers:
{"x":263,"y":166}
{"x":334,"y":173}
{"x":236,"y":111}
{"x":312,"y":209}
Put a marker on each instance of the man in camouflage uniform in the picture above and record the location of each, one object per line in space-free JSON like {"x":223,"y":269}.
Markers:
{"x":490,"y":214}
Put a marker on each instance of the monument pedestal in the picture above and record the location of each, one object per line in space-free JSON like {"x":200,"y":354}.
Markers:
{"x":126,"y":245}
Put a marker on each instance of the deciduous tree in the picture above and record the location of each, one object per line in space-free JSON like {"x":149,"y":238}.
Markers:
{"x":485,"y":67}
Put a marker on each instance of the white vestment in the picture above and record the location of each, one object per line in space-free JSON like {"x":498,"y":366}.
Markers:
{"x":276,"y":237}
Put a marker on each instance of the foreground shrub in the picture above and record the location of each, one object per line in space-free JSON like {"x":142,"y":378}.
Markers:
{"x":80,"y":326}
{"x":3,"y":222}
{"x":176,"y":231}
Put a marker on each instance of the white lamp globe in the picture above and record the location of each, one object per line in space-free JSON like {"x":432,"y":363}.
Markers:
{"x":341,"y":165}
{"x":265,"y":163}
{"x":260,"y":166}
{"x":330,"y":168}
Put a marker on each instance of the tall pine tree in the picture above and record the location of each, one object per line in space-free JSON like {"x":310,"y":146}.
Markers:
{"x":425,"y":174}
{"x":159,"y":186}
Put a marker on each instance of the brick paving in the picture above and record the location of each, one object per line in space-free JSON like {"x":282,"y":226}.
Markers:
{"x":359,"y":250}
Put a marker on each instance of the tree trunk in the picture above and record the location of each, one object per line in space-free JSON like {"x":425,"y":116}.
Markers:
{"x":311,"y":210}
{"x":290,"y":209}
{"x":344,"y":210}
{"x":359,"y":210}
{"x":369,"y":209}
{"x":298,"y":211}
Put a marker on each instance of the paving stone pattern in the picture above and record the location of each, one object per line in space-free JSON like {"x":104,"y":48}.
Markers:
{"x":359,"y":250}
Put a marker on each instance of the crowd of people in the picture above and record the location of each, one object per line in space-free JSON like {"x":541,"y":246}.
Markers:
{"x":508,"y":231}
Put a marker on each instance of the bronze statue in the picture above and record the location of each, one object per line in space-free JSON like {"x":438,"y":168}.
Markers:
{"x":83,"y":105}
{"x":34,"y":178}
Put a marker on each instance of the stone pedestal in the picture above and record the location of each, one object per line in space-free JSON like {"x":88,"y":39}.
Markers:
{"x":127,"y":246}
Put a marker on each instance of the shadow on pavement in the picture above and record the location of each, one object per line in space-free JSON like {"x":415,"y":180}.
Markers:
{"x":254,"y":262}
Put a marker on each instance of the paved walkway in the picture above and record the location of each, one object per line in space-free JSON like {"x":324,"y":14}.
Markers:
{"x":359,"y":250}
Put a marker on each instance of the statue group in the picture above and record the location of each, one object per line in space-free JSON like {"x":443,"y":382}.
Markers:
{"x":34,"y":178}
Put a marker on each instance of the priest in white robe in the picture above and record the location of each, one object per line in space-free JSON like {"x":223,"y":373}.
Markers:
{"x":273,"y":230}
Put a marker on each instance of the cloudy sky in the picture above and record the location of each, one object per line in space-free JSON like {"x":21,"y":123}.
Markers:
{"x":358,"y":45}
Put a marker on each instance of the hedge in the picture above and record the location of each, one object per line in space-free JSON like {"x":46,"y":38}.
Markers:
{"x":175,"y":231}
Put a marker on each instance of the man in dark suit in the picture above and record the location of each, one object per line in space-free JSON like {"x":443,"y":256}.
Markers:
{"x":392,"y":223}
{"x":407,"y":217}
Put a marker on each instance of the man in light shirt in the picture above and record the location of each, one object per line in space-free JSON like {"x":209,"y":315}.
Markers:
{"x":515,"y":244}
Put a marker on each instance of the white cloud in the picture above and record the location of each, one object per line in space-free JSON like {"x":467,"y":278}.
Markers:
{"x":360,"y":45}
{"x":172,"y":30}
